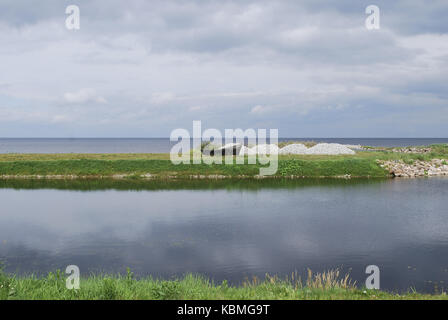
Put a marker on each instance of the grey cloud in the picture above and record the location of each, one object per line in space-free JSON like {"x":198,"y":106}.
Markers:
{"x":161,"y":64}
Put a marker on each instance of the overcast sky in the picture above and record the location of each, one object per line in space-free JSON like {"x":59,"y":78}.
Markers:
{"x":143,"y":68}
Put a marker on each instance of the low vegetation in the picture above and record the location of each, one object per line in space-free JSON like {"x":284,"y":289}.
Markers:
{"x":356,"y":167}
{"x":327,"y":285}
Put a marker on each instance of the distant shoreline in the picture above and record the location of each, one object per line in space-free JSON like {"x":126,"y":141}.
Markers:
{"x":163,"y":145}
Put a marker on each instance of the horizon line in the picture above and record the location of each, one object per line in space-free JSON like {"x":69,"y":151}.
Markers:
{"x":223,"y":137}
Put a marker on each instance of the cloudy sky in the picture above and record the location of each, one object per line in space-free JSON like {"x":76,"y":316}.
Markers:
{"x":143,"y":68}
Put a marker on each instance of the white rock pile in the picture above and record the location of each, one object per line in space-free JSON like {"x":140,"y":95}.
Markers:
{"x":330,"y":148}
{"x":260,"y":149}
{"x":244,"y":150}
{"x":296,"y":148}
{"x":320,"y":148}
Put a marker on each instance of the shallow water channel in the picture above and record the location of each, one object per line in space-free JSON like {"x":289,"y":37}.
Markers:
{"x":230,"y":229}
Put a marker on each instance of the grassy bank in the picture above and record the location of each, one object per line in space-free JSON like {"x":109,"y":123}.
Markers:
{"x":363,"y":164}
{"x":165,"y":168}
{"x":317,"y":286}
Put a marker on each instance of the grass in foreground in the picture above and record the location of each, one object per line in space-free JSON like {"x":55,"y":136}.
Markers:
{"x":362,"y":164}
{"x":326,"y":286}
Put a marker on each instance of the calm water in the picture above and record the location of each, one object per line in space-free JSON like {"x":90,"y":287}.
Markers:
{"x":163,"y":145}
{"x":230,"y":229}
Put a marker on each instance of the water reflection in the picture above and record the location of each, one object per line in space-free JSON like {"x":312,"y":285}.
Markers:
{"x":229,"y":229}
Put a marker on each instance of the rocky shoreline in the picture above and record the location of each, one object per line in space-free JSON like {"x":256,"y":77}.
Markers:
{"x":411,"y":150}
{"x":419,"y":150}
{"x":398,"y":168}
